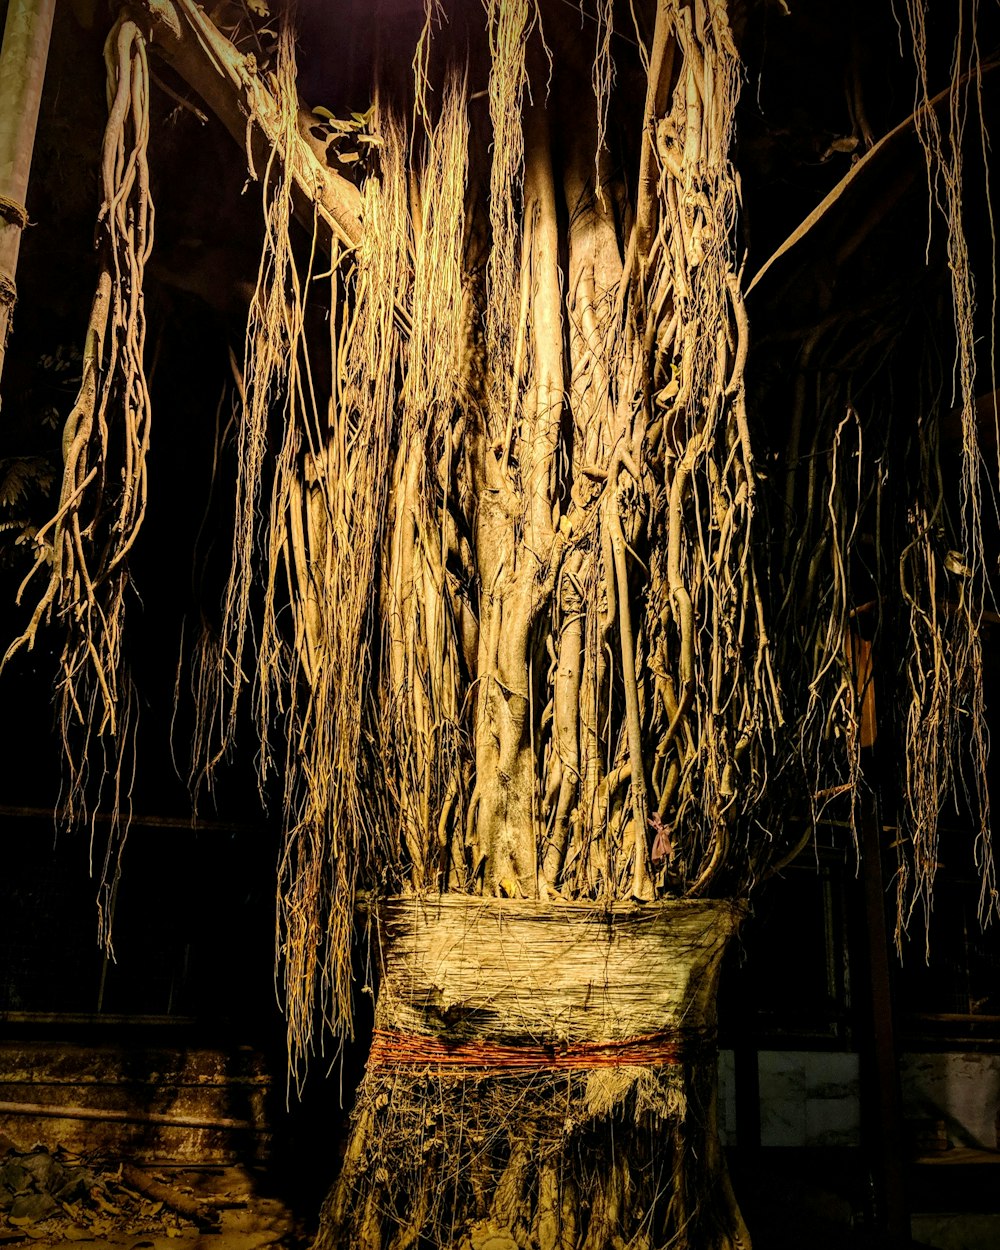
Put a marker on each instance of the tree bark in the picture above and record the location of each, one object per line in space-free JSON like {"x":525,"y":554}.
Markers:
{"x":541,"y":1078}
{"x":22,"y":74}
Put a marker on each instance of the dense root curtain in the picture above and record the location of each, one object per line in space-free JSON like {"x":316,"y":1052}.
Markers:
{"x":317,"y":446}
{"x":603,"y":631}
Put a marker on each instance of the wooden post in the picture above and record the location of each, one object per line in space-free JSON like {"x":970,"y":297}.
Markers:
{"x":881,"y":1106}
{"x":22,"y":73}
{"x":881,"y":1098}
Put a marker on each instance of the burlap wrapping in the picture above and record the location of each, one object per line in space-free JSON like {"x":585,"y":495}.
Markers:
{"x":529,"y":984}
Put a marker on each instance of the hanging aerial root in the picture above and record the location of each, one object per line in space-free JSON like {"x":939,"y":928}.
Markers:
{"x":85,"y":546}
{"x":683,"y":619}
{"x":946,"y":596}
{"x":424,"y":599}
{"x":510,"y":24}
{"x":322,"y":544}
{"x":273,"y":337}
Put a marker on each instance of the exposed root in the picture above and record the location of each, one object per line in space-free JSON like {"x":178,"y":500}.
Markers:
{"x":536,"y":1162}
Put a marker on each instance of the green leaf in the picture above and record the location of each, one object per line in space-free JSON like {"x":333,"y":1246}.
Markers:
{"x":20,"y":475}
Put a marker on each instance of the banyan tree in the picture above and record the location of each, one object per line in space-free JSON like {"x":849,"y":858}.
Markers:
{"x":587,"y":481}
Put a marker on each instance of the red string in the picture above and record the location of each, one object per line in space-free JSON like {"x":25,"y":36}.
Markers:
{"x":391,"y":1047}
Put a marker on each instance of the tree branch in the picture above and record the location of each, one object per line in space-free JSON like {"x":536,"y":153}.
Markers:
{"x":230,"y":86}
{"x":858,"y":174}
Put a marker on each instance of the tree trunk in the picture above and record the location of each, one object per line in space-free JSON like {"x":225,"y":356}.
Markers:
{"x":541,"y":1078}
{"x":22,"y":73}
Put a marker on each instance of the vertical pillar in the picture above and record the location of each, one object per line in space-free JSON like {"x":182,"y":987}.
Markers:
{"x":881,"y":1106}
{"x":22,"y":72}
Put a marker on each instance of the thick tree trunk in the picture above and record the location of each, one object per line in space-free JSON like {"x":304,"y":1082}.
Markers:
{"x":541,"y":1078}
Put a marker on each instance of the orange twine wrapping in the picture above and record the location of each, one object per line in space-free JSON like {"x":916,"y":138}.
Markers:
{"x":395,"y":1048}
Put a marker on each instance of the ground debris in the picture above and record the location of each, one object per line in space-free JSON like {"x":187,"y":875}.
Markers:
{"x":55,"y":1194}
{"x":50,"y":1197}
